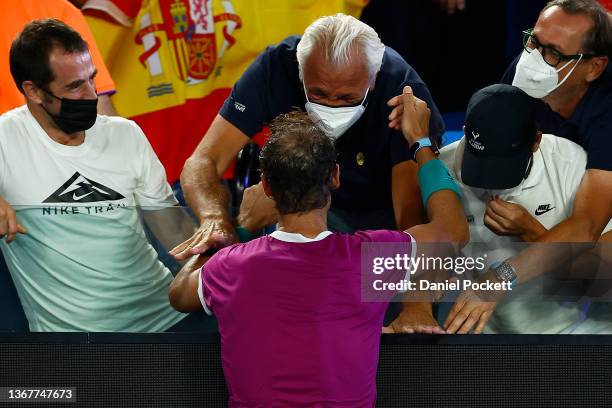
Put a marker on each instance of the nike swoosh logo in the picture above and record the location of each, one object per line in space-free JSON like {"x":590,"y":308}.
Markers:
{"x":77,"y":198}
{"x":540,"y":212}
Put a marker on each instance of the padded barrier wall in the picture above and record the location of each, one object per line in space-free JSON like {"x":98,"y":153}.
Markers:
{"x":184,"y":370}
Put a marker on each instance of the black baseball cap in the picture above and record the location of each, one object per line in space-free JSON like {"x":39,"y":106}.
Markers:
{"x":500,"y":129}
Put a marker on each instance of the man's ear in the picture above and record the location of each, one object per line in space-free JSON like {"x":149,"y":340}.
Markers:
{"x":335,"y":178}
{"x":596,"y":67}
{"x":537,"y":141}
{"x":266,"y":186}
{"x":31,"y":91}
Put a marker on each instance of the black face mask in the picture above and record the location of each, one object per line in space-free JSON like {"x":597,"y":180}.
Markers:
{"x":75,"y":115}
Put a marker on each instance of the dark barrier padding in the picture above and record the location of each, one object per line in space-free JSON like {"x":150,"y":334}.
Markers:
{"x":184,"y":370}
{"x":13,"y":318}
{"x":135,"y":375}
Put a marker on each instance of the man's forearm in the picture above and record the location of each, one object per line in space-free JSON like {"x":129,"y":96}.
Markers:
{"x":203,"y":190}
{"x":410,"y":307}
{"x":573,"y":229}
{"x":425,"y":155}
{"x":542,"y":258}
{"x":408,"y":209}
{"x":193,"y":266}
{"x":552,"y":250}
{"x":533,"y":232}
{"x":444,"y":207}
{"x":183,"y":291}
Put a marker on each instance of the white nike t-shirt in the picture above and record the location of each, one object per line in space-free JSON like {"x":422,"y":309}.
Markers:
{"x":85,"y":263}
{"x":548,"y":195}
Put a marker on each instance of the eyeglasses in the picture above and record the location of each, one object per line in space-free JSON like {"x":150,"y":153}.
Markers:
{"x":551,"y":56}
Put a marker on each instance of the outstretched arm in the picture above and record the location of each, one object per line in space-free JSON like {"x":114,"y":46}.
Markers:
{"x":204,"y":192}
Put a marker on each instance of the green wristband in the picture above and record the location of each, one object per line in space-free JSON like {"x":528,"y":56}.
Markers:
{"x":244,"y":235}
{"x":433,"y":177}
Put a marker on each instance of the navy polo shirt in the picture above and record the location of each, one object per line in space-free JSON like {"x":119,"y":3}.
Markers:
{"x":591,"y":123}
{"x":366,"y":152}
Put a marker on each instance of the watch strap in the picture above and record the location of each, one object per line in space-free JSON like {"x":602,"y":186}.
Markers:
{"x":418,"y":145}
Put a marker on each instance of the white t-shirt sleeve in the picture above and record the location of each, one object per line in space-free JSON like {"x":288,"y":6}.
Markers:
{"x":575,"y":167}
{"x":152,"y":189}
{"x":574,"y":163}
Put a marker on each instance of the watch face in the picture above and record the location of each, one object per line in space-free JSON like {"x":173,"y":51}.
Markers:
{"x":506,"y":272}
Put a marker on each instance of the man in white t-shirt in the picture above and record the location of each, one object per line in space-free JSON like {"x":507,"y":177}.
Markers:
{"x":519,"y":171}
{"x":69,"y":184}
{"x":516,"y":168}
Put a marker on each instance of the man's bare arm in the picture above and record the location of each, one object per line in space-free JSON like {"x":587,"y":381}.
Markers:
{"x":203,"y":190}
{"x":183,"y":291}
{"x":444,"y":209}
{"x":406,"y":194}
{"x":591,"y":212}
{"x":415,"y":317}
{"x":445,"y":212}
{"x":447,"y":224}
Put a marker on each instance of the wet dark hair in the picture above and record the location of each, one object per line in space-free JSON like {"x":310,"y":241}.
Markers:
{"x":297,"y":161}
{"x":29,"y":55}
{"x":598,"y":40}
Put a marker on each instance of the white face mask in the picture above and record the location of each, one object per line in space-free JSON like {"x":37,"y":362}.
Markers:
{"x":537,"y":78}
{"x":334,"y":121}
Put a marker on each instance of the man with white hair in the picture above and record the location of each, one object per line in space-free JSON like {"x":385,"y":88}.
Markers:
{"x":343,"y":76}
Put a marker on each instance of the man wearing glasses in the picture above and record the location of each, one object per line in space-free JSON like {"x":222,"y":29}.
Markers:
{"x":565,"y":65}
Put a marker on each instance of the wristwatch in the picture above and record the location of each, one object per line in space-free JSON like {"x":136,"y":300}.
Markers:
{"x":421,"y":143}
{"x":505,"y":272}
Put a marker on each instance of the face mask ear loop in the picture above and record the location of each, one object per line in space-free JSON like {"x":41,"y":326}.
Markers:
{"x":50,"y":93}
{"x":366,"y":95}
{"x":568,"y":74}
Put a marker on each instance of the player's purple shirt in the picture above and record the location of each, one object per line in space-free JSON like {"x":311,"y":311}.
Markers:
{"x":294,"y":332}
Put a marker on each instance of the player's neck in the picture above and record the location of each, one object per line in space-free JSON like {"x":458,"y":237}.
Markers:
{"x":51,"y":129}
{"x":309,"y":224}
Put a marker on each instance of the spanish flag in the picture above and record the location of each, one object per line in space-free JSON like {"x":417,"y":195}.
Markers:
{"x":174,"y":61}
